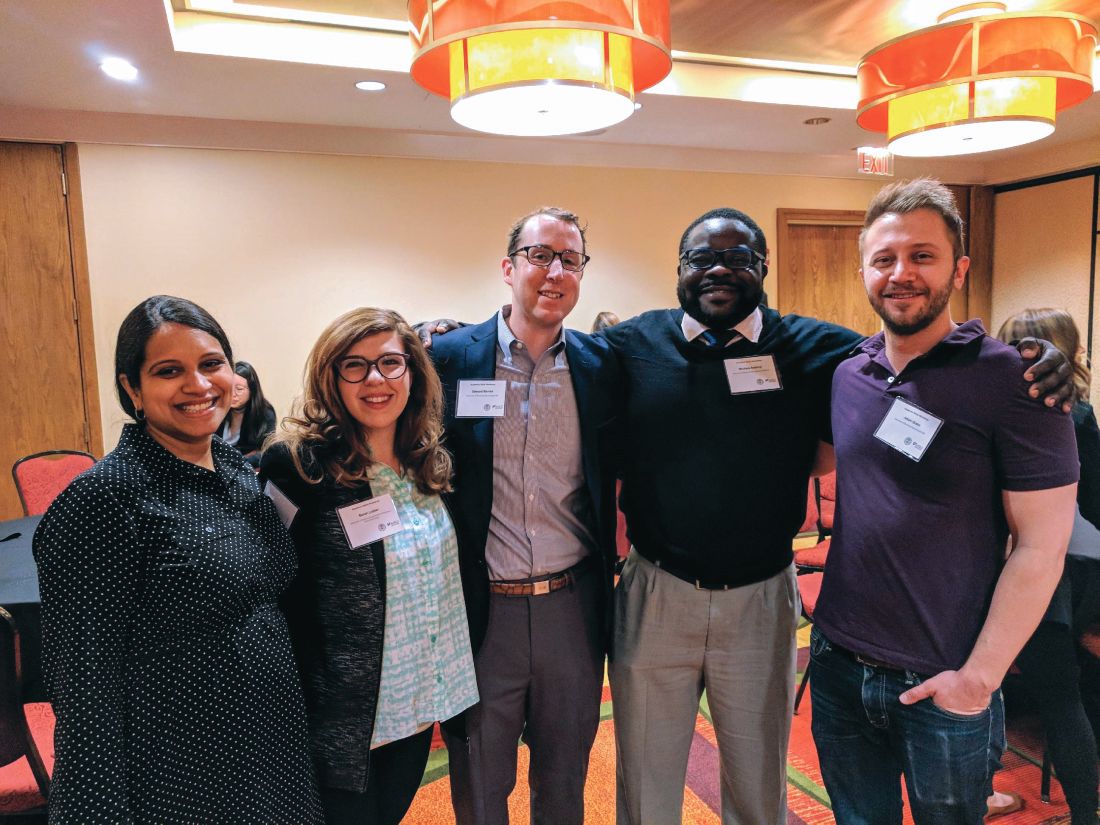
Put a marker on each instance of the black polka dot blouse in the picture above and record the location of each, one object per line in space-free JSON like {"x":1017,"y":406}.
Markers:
{"x":166,"y":659}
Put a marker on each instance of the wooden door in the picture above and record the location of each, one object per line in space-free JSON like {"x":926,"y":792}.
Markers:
{"x":817,"y":253}
{"x":43,"y":372}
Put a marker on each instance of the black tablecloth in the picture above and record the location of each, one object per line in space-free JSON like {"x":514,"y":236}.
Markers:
{"x":19,"y":596}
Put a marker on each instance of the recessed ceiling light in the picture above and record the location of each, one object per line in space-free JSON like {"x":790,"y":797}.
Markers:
{"x":118,"y":68}
{"x":637,"y":105}
{"x":370,"y":85}
{"x":817,"y":121}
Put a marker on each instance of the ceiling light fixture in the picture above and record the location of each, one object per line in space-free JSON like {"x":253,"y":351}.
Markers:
{"x":119,"y":69}
{"x":976,"y":84}
{"x":559,"y":68}
{"x":370,"y":85}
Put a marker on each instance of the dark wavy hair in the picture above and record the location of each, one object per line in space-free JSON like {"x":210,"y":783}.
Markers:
{"x":321,"y":430}
{"x":253,"y":422}
{"x":140,"y":324}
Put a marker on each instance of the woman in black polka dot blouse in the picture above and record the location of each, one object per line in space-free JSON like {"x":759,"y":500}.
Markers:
{"x":167,"y":661}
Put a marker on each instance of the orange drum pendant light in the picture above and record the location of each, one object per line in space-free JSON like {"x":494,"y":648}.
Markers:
{"x":539,"y":67}
{"x":974,"y":84}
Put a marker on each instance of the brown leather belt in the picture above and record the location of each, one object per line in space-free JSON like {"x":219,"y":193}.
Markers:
{"x":540,"y":587}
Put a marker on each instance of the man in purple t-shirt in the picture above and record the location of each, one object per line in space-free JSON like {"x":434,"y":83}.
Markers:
{"x":941,"y":458}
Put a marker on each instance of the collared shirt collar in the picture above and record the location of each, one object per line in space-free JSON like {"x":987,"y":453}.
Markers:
{"x":505,"y":337}
{"x":749,"y":327}
{"x":961,"y":335}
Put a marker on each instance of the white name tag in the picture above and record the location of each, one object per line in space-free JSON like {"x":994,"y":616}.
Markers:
{"x":755,"y":374}
{"x":908,"y":429}
{"x":480,"y":399}
{"x":286,"y":508}
{"x":370,"y":520}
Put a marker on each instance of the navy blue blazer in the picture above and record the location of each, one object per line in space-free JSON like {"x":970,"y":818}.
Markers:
{"x":470,"y":353}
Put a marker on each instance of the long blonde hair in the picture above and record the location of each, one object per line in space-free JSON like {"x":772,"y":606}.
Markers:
{"x":1056,"y":326}
{"x":321,"y":424}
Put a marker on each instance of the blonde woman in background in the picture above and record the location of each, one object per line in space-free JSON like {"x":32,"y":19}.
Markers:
{"x":376,"y":614}
{"x":1066,"y":684}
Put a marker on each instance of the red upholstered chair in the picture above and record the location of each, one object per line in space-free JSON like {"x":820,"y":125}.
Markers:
{"x":809,"y":587}
{"x":812,"y":559}
{"x":809,"y":524}
{"x":40,"y":477}
{"x":26,"y":737}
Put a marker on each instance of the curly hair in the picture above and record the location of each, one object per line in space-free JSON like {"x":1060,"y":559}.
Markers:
{"x":322,"y":434}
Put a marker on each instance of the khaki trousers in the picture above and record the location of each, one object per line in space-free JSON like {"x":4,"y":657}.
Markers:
{"x":672,"y":641}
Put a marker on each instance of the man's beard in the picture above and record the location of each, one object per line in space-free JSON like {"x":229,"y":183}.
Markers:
{"x":739,"y":310}
{"x":937,"y":301}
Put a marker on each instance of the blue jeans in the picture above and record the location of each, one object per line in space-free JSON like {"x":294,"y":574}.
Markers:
{"x":867,"y":740}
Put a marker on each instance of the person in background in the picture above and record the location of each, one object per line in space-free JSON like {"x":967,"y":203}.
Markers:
{"x":251,"y":417}
{"x":604,"y":320}
{"x":1054,"y":669}
{"x":376,"y":613}
{"x":167,"y":661}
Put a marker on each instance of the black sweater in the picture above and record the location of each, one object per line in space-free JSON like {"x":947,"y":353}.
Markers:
{"x":714,"y":484}
{"x":336,"y":611}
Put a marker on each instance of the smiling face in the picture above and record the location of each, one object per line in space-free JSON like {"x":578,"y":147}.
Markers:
{"x":185,"y":388}
{"x":376,"y":403}
{"x":543,"y":296}
{"x":909,"y":271}
{"x":719,"y":297}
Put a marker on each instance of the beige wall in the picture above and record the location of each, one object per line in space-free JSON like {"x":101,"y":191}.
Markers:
{"x":1043,"y":242}
{"x":276,"y":245}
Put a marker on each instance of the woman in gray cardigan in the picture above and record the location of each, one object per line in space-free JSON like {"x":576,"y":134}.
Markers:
{"x":376,"y":613}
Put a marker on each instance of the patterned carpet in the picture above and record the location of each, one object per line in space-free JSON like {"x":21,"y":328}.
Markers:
{"x":807,"y":802}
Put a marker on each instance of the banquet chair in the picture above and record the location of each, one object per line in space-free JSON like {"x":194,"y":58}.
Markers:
{"x":812,"y":559}
{"x":40,"y":477}
{"x":26,"y":738}
{"x":810,"y":562}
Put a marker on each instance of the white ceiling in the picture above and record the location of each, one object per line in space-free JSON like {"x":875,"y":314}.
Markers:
{"x":51,"y":89}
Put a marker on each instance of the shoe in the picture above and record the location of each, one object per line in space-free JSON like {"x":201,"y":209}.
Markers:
{"x":1015,"y":804}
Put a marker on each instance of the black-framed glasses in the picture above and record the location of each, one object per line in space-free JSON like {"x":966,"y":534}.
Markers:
{"x":543,"y":256}
{"x":736,"y":257}
{"x":356,"y":370}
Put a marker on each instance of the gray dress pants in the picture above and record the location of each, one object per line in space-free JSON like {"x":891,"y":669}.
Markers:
{"x":540,"y":678}
{"x":672,"y":641}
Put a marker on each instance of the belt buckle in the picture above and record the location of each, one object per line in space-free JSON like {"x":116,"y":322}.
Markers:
{"x":540,"y":588}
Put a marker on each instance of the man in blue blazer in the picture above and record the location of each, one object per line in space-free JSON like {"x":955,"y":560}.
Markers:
{"x":529,"y":418}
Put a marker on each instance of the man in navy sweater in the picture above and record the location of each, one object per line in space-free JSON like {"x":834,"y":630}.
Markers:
{"x":726,"y":403}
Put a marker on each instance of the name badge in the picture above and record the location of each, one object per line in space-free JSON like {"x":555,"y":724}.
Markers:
{"x":480,"y":399}
{"x":286,"y":508}
{"x":370,"y":520}
{"x":908,"y":429}
{"x":754,"y":374}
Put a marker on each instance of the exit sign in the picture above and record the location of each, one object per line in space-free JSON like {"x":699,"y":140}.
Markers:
{"x":875,"y":161}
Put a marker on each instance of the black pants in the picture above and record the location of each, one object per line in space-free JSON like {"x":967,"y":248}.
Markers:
{"x":1051,"y":669}
{"x":395,"y":772}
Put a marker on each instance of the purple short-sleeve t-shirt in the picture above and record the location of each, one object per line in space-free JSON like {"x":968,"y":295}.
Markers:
{"x":918,"y":545}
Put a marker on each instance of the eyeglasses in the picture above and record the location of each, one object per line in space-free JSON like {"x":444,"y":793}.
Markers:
{"x":356,"y":370}
{"x":737,"y":257}
{"x":543,"y":256}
